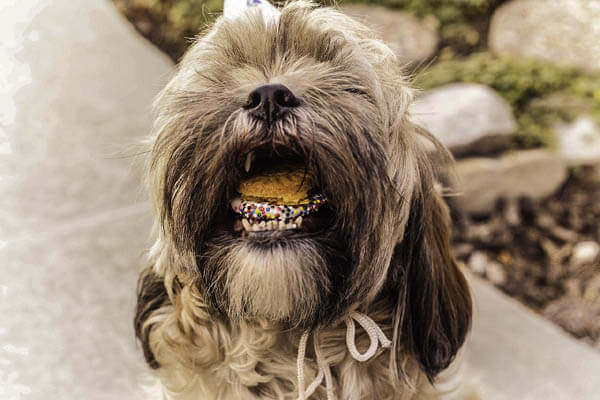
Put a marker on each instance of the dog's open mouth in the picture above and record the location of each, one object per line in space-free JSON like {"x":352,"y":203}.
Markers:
{"x":278,"y":193}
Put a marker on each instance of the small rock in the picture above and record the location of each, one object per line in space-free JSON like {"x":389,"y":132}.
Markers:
{"x":579,"y":141}
{"x":512,"y":213}
{"x":585,"y":252}
{"x":495,"y":273}
{"x":462,"y":250}
{"x":565,"y":32}
{"x":592,"y":290}
{"x":478,"y":262}
{"x":573,"y":314}
{"x":589,"y":174}
{"x":531,"y":173}
{"x":413,"y":40}
{"x":469,"y":119}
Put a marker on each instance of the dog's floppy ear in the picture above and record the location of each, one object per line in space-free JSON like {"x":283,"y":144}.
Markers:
{"x":433,"y":310}
{"x":151,"y":295}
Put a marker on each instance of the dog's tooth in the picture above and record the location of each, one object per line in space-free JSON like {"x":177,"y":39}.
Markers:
{"x":298,"y":222}
{"x":255,"y":228}
{"x":281,"y":226}
{"x":263,"y":225}
{"x":246,"y":224}
{"x":248,"y":162}
{"x":236,"y":204}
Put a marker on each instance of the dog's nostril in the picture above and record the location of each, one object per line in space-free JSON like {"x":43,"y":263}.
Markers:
{"x":285,"y":98}
{"x":268,"y":102}
{"x":254,"y":101}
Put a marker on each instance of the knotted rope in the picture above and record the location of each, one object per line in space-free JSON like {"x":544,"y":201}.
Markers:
{"x":376,"y":337}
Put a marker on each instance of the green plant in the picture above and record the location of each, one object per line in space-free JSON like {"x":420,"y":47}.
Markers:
{"x":171,"y":24}
{"x":539,"y":92}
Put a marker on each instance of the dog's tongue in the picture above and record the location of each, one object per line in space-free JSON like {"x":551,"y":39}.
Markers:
{"x":280,"y":193}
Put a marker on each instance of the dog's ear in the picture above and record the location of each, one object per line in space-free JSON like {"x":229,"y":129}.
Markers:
{"x":433,"y":310}
{"x":151,"y":295}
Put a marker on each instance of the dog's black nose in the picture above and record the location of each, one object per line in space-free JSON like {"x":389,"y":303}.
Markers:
{"x":270,"y":102}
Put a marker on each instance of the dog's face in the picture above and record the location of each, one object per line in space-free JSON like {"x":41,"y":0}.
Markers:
{"x":315,"y":91}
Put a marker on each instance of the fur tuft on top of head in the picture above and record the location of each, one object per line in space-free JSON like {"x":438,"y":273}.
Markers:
{"x":312,"y":88}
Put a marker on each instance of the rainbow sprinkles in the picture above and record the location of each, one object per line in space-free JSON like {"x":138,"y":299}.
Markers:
{"x":257,"y":211}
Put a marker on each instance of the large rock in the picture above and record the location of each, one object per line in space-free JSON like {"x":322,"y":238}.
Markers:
{"x":531,"y":173}
{"x":579,"y":142}
{"x":562,"y":31}
{"x":413,"y":40}
{"x":469,"y":119}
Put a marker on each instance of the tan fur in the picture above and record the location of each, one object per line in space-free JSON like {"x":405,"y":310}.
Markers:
{"x":203,"y":359}
{"x":220,"y":318}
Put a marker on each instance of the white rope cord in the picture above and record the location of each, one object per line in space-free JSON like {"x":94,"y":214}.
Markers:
{"x":376,"y":337}
{"x":302,"y":393}
{"x":324,"y":366}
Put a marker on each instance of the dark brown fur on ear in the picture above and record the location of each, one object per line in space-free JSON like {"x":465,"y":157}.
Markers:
{"x":151,"y":295}
{"x":433,"y":311}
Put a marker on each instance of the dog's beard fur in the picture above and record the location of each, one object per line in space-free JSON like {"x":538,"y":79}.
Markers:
{"x":284,"y":282}
{"x":383,"y":242}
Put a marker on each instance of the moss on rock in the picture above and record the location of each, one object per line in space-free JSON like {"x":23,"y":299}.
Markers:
{"x":540,"y":93}
{"x":170,"y":24}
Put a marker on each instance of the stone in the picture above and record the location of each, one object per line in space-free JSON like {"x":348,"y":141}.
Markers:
{"x":470,"y":119}
{"x":564,"y":32}
{"x":495,"y":273}
{"x":531,"y":173}
{"x":585,"y":252}
{"x":579,"y":142}
{"x":478,"y":261}
{"x":413,"y":40}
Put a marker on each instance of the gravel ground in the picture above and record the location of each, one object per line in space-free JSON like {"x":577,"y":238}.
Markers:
{"x":545,"y":254}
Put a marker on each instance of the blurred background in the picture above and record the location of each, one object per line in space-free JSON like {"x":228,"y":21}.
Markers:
{"x":512,"y":87}
{"x":498,"y":77}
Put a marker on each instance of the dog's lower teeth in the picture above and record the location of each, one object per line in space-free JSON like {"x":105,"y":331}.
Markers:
{"x":256,"y":226}
{"x":246,"y":224}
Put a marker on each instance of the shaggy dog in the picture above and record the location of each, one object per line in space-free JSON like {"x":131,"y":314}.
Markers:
{"x":240,"y":307}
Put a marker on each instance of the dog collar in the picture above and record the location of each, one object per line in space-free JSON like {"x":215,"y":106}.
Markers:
{"x":376,"y":337}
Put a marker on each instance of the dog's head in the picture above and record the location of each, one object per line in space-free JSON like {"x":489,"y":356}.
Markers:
{"x":312,"y":93}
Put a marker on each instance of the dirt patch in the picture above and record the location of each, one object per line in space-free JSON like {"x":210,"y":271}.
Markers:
{"x":545,"y":254}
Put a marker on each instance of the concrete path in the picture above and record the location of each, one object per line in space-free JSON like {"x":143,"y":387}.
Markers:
{"x":76,"y":83}
{"x":514,"y":354}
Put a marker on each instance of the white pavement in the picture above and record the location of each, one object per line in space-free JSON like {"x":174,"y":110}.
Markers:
{"x":516,"y":354}
{"x":76,"y":83}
